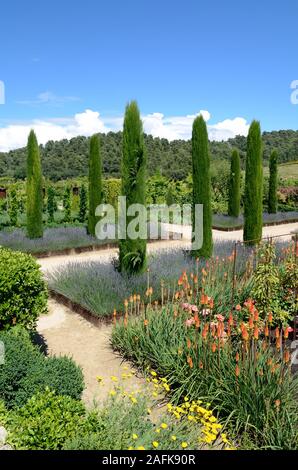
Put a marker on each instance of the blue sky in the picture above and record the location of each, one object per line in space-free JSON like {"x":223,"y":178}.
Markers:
{"x":230,"y":58}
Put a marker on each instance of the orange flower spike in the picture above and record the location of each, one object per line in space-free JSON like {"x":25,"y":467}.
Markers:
{"x":213,"y":347}
{"x":237,"y":370}
{"x":286,"y":356}
{"x":256,"y":315}
{"x":146,"y":322}
{"x":237,"y":356}
{"x":204,"y":333}
{"x":211,"y":303}
{"x":277,"y":343}
{"x":286,"y":333}
{"x":270,"y":318}
{"x":266,"y":331}
{"x":256,"y":332}
{"x":190,"y":362}
{"x":204,"y":272}
{"x":188,"y":342}
{"x":251,"y":322}
{"x":276,"y":333}
{"x":195,"y":279}
{"x":201,"y":365}
{"x":245,"y":334}
{"x":231,"y":320}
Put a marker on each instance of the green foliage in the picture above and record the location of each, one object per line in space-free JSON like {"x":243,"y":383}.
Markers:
{"x":26,"y":371}
{"x":34,"y":189}
{"x":234,"y":186}
{"x":95,"y":182}
{"x":23,"y":293}
{"x":132,"y":253}
{"x":269,"y":283}
{"x":253,"y":198}
{"x":45,"y":422}
{"x":111,"y":191}
{"x":272,"y":195}
{"x":83,"y":204}
{"x":13,"y":206}
{"x":201,"y":183}
{"x":67,"y":204}
{"x":51,"y":204}
{"x":172,"y":158}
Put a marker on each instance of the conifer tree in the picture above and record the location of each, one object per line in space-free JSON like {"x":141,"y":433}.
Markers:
{"x":83,"y":204}
{"x":201,"y":183}
{"x":234,"y":185}
{"x":95,"y":182}
{"x":132,"y":253}
{"x":253,"y":196}
{"x":272,"y":195}
{"x":34,"y":189}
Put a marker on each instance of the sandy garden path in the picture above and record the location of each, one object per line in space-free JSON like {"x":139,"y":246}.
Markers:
{"x":67,"y":333}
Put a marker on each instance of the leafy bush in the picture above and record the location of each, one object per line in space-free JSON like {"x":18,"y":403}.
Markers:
{"x":23,"y":294}
{"x":26,"y":370}
{"x":45,"y":422}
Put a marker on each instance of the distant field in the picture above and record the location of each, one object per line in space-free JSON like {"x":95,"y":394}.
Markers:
{"x":286,"y":170}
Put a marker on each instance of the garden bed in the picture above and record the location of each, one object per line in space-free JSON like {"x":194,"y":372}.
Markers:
{"x":229,"y":224}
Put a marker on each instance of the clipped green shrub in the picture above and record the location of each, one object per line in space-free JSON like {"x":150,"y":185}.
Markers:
{"x":26,"y":371}
{"x":34,"y":189}
{"x":46,"y":421}
{"x":23,"y":293}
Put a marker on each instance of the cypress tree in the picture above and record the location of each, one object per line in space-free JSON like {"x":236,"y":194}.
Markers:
{"x":272,"y":195}
{"x":132,"y":253}
{"x":253,"y":196}
{"x":234,"y":185}
{"x":83,"y":204}
{"x":34,"y":189}
{"x":13,"y":208}
{"x":95,"y":182}
{"x":51,"y":204}
{"x":201,"y":183}
{"x":67,"y":204}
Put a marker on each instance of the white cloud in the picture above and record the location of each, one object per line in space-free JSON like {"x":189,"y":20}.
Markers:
{"x":86,"y":123}
{"x":89,"y":122}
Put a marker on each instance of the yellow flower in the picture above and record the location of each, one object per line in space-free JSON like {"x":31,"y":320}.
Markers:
{"x":149,"y":411}
{"x":133,"y":400}
{"x":154,"y":374}
{"x":114,"y":378}
{"x":112,"y":393}
{"x":155,"y":381}
{"x":140,"y":448}
{"x":157,"y":430}
{"x":166,"y":387}
{"x":163,"y":425}
{"x":230,"y":448}
{"x":155,"y":444}
{"x":174,"y":438}
{"x":184,"y":445}
{"x":154,"y":394}
{"x":99,"y":378}
{"x":212,"y":419}
{"x":135,"y":436}
{"x":186,"y":398}
{"x":130,"y":448}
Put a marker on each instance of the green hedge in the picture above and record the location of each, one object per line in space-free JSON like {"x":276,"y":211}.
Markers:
{"x":23,"y":293}
{"x":26,"y":371}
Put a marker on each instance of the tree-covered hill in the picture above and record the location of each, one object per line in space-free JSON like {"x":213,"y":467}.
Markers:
{"x":68,"y":158}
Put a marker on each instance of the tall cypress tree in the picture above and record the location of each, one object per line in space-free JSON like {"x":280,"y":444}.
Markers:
{"x":132,"y":253}
{"x":253,"y":197}
{"x":201,"y":183}
{"x":272,"y":195}
{"x":34,"y":189}
{"x":234,"y":185}
{"x":95,"y":182}
{"x":51,"y":204}
{"x":83,"y":204}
